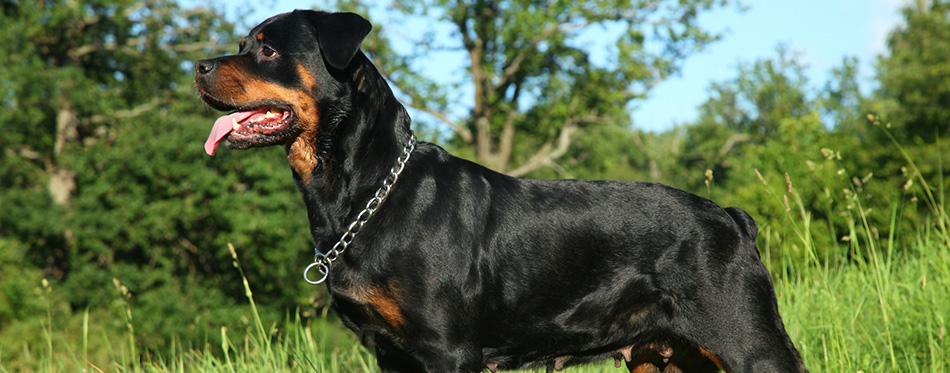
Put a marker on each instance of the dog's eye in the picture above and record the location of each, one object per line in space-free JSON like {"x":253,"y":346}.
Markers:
{"x":268,"y":52}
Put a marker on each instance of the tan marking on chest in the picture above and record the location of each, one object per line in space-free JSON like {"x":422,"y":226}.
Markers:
{"x":384,"y":302}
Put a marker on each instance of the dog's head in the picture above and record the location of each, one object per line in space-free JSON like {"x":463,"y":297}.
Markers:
{"x":274,"y":85}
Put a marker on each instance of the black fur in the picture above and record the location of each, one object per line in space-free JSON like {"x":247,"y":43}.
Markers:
{"x":464,"y":269}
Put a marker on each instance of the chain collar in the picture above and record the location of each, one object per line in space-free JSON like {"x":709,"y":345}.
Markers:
{"x":323,"y":261}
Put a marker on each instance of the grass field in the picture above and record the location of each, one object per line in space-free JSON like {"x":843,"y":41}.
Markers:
{"x":876,"y":308}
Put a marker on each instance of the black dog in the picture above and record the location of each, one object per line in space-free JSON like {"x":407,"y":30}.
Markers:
{"x":447,"y":266}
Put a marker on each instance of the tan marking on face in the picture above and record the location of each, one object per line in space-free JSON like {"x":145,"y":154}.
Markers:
{"x":259,"y":36}
{"x":306,"y":77}
{"x":302,"y":155}
{"x":237,"y":85}
{"x":243,"y":43}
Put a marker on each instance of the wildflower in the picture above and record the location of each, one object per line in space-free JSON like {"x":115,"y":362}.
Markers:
{"x":762,"y":179}
{"x":233,"y":252}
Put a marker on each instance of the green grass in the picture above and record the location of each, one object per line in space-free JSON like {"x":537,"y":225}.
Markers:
{"x":873,"y":307}
{"x":880,"y":311}
{"x":291,"y":344}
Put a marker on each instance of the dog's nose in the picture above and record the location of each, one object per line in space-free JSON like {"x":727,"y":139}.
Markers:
{"x":204,"y":66}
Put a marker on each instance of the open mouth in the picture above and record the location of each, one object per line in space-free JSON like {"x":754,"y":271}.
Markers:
{"x":255,"y":127}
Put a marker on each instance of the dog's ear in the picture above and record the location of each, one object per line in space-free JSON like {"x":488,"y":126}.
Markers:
{"x":340,"y":36}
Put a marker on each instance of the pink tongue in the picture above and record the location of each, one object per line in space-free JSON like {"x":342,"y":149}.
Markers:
{"x":223,"y":126}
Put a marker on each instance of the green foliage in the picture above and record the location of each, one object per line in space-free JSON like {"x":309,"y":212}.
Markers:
{"x":110,"y":338}
{"x":761,"y":99}
{"x":914,"y":73}
{"x":539,"y":79}
{"x":844,"y":104}
{"x":102,"y":175}
{"x":912,"y":100}
{"x":767,"y":123}
{"x":18,"y":283}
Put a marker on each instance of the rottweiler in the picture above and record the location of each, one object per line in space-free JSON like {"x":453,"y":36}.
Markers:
{"x":446,"y":266}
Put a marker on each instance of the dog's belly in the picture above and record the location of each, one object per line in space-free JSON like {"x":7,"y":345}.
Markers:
{"x":618,"y":313}
{"x":568,"y":344}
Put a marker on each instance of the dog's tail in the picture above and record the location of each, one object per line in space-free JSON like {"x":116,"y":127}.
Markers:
{"x":745,"y":221}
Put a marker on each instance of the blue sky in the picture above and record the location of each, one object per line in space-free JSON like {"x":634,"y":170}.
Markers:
{"x":820,"y":32}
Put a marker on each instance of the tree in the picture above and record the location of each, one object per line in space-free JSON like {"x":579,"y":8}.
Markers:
{"x":914,"y":75}
{"x":763,"y":137}
{"x":768,"y":101}
{"x":102,"y":173}
{"x":532,"y":66}
{"x":843,"y":102}
{"x":73,"y":70}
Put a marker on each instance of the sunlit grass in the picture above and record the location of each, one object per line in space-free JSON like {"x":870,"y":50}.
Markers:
{"x":878,"y":311}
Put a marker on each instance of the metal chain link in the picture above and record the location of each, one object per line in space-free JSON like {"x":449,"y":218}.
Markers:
{"x":322,"y":261}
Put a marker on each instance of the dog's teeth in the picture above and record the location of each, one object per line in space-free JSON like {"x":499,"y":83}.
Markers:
{"x":626,"y":352}
{"x":234,"y":124}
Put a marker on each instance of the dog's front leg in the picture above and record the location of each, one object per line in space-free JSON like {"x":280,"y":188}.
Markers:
{"x":390,"y":362}
{"x":436,"y":351}
{"x":457,"y":361}
{"x":453,"y":359}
